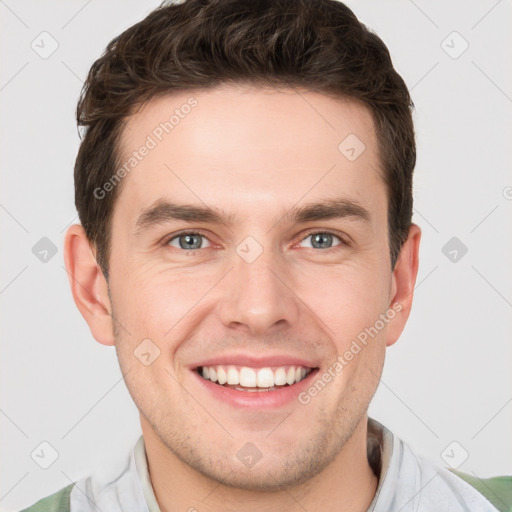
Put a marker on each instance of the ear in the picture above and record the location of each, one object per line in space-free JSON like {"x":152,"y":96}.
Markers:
{"x":403,"y":281}
{"x":88,"y":284}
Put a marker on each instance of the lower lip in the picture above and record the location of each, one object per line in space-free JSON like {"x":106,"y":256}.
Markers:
{"x":257,"y":399}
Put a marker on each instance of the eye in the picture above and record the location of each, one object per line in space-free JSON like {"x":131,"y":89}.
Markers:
{"x":188,"y":241}
{"x":322,"y":240}
{"x":191,"y":241}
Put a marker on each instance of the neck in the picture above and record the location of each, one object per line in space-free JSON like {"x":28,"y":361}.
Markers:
{"x":348,"y":482}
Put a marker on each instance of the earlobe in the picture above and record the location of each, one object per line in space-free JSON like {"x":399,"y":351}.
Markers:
{"x":403,"y":283}
{"x":88,"y":284}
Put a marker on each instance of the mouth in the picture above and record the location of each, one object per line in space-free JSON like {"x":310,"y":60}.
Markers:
{"x":254,"y":380}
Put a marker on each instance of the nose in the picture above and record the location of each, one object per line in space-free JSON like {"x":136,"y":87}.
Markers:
{"x":257,"y":297}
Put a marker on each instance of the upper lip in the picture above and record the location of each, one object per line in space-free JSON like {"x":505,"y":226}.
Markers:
{"x":255,"y":361}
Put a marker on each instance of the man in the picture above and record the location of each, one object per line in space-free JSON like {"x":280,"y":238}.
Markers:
{"x":244,"y":187}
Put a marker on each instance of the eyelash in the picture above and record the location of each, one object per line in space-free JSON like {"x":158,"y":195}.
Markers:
{"x":343,"y":241}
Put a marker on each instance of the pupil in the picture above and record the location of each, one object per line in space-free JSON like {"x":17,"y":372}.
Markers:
{"x":190,"y":241}
{"x":320,"y":239}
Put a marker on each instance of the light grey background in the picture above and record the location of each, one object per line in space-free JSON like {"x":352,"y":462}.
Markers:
{"x":448,"y":379}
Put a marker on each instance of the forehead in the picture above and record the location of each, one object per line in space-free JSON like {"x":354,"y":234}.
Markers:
{"x":247,"y":147}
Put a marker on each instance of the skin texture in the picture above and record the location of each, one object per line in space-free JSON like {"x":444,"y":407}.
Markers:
{"x":255,"y":153}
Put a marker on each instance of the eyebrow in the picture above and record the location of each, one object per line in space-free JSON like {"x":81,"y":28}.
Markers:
{"x":162,"y":211}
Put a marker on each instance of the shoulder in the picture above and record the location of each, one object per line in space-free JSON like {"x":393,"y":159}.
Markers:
{"x":57,"y":502}
{"x":422,"y":485}
{"x":113,"y":486}
{"x":497,"y":490}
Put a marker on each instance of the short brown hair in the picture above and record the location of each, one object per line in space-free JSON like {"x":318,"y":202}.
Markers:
{"x":316,"y":44}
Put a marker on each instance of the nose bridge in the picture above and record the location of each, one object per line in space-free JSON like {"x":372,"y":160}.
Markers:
{"x":255,"y":295}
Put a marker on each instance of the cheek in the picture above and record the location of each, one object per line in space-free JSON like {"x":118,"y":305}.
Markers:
{"x":157,"y":302}
{"x":346,"y":300}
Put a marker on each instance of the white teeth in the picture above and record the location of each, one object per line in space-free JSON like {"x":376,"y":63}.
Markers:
{"x":233,"y":376}
{"x":221,"y":375}
{"x":246,"y":377}
{"x":280,"y":377}
{"x":265,"y":378}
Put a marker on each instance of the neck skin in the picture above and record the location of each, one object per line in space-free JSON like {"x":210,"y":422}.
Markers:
{"x":348,"y":482}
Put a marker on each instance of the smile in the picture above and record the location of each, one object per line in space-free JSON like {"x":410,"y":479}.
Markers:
{"x":244,"y":378}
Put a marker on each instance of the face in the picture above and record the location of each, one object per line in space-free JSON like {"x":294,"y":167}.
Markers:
{"x":249,"y":253}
